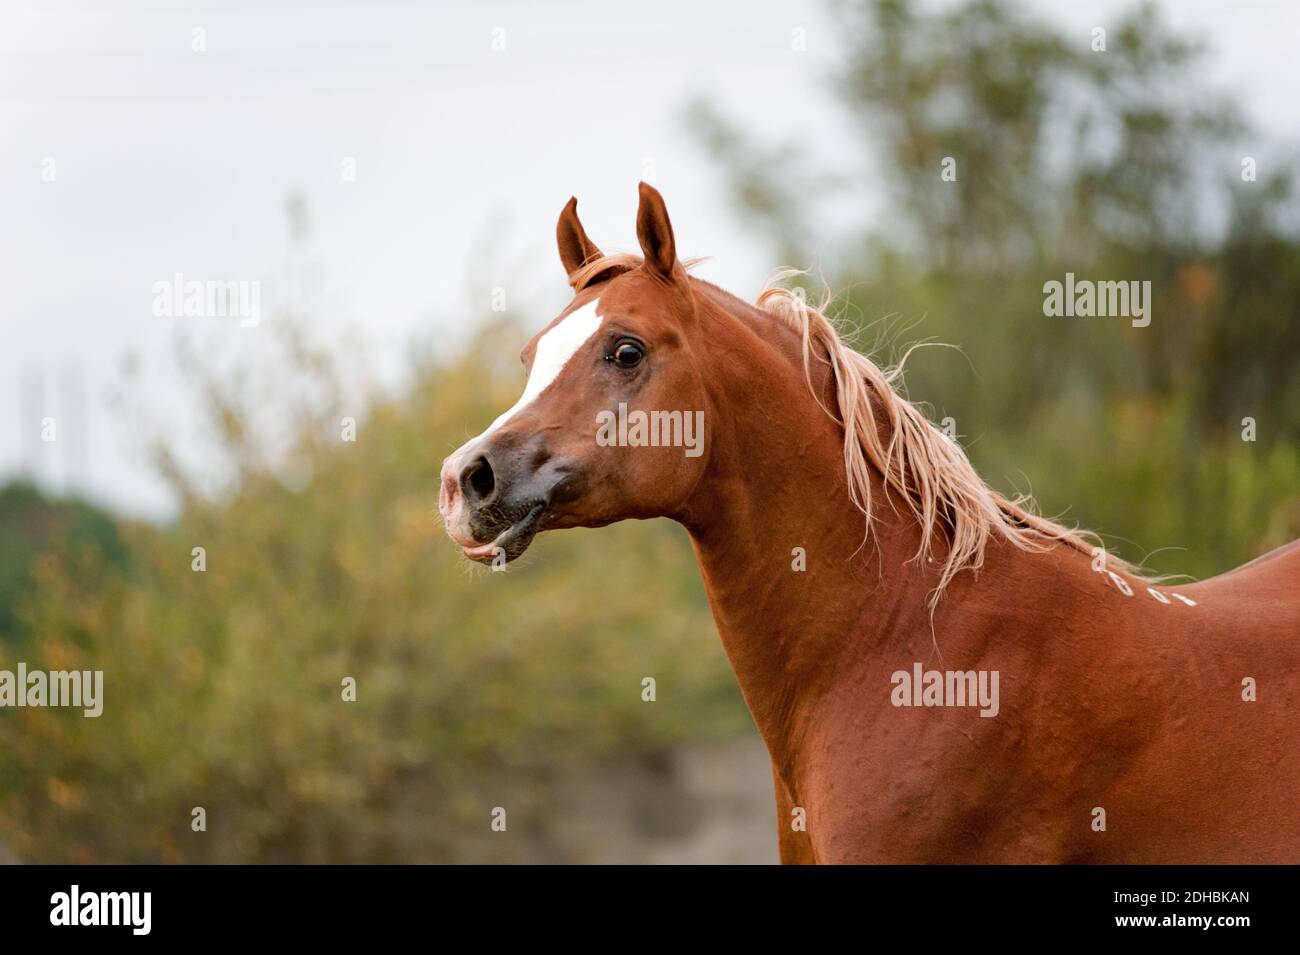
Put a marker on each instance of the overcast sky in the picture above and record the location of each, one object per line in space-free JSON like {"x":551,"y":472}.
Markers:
{"x":128,"y":156}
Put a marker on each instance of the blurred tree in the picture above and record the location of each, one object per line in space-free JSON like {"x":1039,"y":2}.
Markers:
{"x":325,"y":560}
{"x":31,"y":524}
{"x":1114,"y":165}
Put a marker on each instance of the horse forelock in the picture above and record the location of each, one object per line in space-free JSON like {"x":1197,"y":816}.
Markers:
{"x":604,"y":266}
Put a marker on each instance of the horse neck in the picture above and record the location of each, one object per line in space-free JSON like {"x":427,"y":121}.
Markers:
{"x":775,"y":489}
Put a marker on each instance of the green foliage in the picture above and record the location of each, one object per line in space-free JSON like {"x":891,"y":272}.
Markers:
{"x":223,"y":687}
{"x":32,"y":523}
{"x":1114,"y":166}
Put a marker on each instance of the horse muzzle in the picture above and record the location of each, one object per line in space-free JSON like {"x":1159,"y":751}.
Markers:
{"x":493,"y":501}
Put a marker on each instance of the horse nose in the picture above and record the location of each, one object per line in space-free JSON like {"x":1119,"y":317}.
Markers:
{"x":478,"y":481}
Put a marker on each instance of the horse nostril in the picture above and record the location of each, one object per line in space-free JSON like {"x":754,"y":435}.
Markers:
{"x":477,"y":481}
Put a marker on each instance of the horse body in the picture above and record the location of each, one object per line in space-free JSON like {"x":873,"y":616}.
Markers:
{"x":1128,"y":704}
{"x":1134,"y":722}
{"x":1112,"y":702}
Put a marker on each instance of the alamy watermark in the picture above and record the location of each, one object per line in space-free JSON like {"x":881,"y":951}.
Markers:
{"x":208,"y":298}
{"x":75,"y":688}
{"x":651,"y":429}
{"x":75,"y":907}
{"x":922,"y":687}
{"x":1084,"y":298}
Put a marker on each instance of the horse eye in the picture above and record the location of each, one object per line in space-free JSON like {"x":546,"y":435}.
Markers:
{"x":627,"y":355}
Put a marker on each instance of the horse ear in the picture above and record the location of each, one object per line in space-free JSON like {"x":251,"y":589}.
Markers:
{"x":576,"y":250}
{"x":655,"y":233}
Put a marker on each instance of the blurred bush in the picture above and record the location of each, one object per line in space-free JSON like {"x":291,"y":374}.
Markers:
{"x":223,"y":687}
{"x":31,"y":524}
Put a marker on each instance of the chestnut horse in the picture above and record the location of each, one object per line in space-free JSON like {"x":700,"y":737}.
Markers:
{"x":939,"y":674}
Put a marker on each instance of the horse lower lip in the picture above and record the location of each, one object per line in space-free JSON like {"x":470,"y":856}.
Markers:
{"x":503,"y":540}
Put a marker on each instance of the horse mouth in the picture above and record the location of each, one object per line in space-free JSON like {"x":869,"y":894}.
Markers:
{"x":511,"y":542}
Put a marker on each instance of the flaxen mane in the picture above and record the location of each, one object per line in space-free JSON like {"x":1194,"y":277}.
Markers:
{"x":929,"y":470}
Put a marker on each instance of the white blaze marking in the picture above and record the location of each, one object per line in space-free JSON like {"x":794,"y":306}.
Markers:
{"x":554,"y":349}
